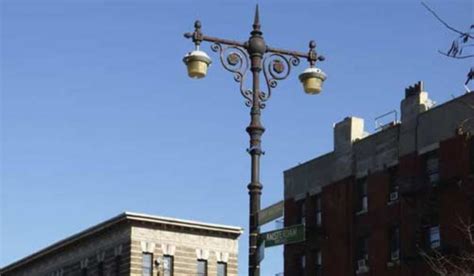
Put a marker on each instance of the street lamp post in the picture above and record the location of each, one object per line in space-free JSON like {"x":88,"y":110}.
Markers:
{"x":254,"y":55}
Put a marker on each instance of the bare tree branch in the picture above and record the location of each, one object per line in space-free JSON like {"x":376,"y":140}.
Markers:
{"x":470,"y":75}
{"x":452,"y":56}
{"x":460,"y":264}
{"x":458,"y":44}
{"x":446,"y":24}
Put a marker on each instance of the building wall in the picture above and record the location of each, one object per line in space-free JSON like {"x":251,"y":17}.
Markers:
{"x":113,"y":248}
{"x":454,"y":201}
{"x":186,"y":247}
{"x":341,"y":225}
{"x":360,"y":153}
{"x":394,"y":156}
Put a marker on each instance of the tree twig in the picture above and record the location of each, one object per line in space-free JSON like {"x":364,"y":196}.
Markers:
{"x":458,"y":57}
{"x":444,"y":22}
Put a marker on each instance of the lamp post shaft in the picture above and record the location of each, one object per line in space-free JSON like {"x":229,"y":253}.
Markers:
{"x":255,"y":131}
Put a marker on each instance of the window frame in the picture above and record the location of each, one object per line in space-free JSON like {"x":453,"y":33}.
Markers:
{"x":117,"y":264}
{"x":362,"y":187}
{"x":472,"y":156}
{"x":303,"y":262}
{"x":362,"y":253}
{"x":303,"y":212}
{"x":150,"y":255}
{"x":202,"y":261}
{"x":319,"y":212}
{"x":393,"y":183}
{"x":171,"y":263}
{"x":434,"y":231}
{"x":362,"y":249}
{"x":224,"y":264}
{"x":394,"y":242}
{"x":319,"y":262}
{"x":432,"y":167}
{"x":100,"y":268}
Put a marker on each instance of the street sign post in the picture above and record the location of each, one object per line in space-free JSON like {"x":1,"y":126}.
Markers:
{"x":292,"y":234}
{"x":270,"y":213}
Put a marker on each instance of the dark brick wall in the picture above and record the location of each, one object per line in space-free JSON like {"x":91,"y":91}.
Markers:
{"x":456,"y":192}
{"x":293,"y":252}
{"x":338,"y":207}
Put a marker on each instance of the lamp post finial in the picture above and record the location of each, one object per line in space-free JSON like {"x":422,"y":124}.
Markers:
{"x":256,"y":21}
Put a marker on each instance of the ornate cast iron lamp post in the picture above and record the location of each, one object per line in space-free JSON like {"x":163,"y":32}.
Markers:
{"x":256,"y":55}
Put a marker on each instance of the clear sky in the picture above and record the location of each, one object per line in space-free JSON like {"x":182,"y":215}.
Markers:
{"x":99,"y":116}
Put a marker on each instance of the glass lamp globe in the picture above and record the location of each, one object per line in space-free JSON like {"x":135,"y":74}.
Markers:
{"x":312,"y":80}
{"x":197,"y":63}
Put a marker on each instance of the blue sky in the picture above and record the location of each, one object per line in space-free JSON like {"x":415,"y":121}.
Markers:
{"x":99,"y":116}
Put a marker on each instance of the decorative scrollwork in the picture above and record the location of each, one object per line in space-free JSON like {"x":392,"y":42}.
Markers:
{"x":276,"y":67}
{"x":235,"y":60}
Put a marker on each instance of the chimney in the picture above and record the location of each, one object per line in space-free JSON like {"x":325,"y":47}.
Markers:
{"x":416,"y":101}
{"x":346,"y":132}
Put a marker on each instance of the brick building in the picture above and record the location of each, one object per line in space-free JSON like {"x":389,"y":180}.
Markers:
{"x":138,"y":244}
{"x":376,"y":201}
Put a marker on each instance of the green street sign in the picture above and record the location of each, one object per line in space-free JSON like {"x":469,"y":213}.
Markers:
{"x":271,"y":213}
{"x":286,"y":235}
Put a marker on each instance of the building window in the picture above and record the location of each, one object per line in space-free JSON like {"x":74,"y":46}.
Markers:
{"x":167,"y":265}
{"x":221,"y":269}
{"x":319,"y":263}
{"x":362,"y":199}
{"x":100,"y":269}
{"x":303,"y":263}
{"x":393,"y":188}
{"x":472,"y":155}
{"x":362,"y":254}
{"x":84,"y":264}
{"x":318,"y":211}
{"x":147,"y":264}
{"x":59,"y":272}
{"x":432,"y":167}
{"x":434,"y":238}
{"x":202,"y":268}
{"x":302,"y":212}
{"x":394,"y":243}
{"x":117,"y":265}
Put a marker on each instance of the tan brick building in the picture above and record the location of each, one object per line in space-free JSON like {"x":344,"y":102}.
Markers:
{"x":138,"y":244}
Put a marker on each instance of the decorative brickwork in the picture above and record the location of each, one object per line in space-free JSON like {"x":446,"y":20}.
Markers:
{"x":186,"y":247}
